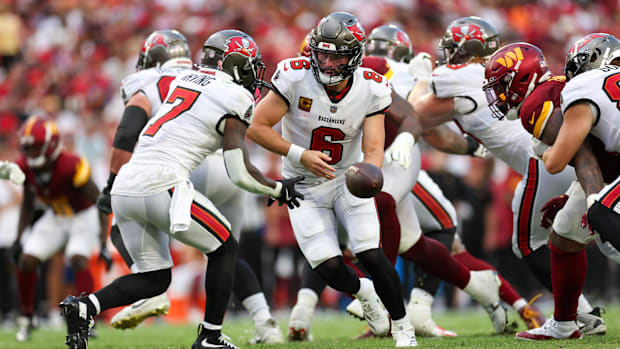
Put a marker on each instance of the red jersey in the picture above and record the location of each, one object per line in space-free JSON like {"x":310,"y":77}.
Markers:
{"x":381,"y":66}
{"x":539,"y":106}
{"x":59,"y":187}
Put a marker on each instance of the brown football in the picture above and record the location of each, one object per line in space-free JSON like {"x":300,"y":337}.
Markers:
{"x":364,"y":180}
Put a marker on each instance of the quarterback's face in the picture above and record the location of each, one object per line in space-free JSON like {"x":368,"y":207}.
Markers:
{"x":332,"y":64}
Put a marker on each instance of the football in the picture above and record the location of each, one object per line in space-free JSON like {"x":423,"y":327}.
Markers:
{"x":364,"y":180}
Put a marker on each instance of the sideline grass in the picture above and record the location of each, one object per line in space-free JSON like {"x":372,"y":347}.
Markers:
{"x":330,"y":330}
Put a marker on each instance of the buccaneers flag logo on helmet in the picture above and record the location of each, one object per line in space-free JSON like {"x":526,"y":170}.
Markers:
{"x":467,"y":32}
{"x":153,"y":40}
{"x":241,"y":45}
{"x":357,"y":31}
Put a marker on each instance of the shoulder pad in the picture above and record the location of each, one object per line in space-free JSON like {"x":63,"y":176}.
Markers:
{"x":457,"y":80}
{"x":292,"y":69}
{"x":134,"y":82}
{"x":379,"y":85}
{"x":376,"y":63}
{"x":539,"y":105}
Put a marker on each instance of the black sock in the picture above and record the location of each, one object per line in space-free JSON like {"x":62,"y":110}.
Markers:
{"x":312,"y":280}
{"x":219,"y":280}
{"x":386,"y":281}
{"x":246,"y":283}
{"x":338,"y":276}
{"x":130,"y":288}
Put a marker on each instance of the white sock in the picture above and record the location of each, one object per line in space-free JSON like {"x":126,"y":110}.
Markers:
{"x":421,"y":295}
{"x":93,"y":299}
{"x":258,"y":308}
{"x":583,"y":306}
{"x":518,"y":304}
{"x":210,"y":326}
{"x":307,"y":297}
{"x":366,"y":289}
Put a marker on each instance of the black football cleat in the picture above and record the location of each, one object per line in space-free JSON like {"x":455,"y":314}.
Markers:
{"x":205,"y":342}
{"x":78,"y":320}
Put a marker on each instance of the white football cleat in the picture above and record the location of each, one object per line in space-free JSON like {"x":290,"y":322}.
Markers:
{"x":420,"y":316}
{"x":483,"y":286}
{"x":374,"y":314}
{"x":591,"y":323}
{"x":299,"y":324}
{"x":355,"y":309}
{"x":552,"y":329}
{"x":132,"y":315}
{"x":268,"y":333}
{"x":404,"y":336}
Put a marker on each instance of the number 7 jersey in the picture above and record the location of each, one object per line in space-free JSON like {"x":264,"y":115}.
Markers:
{"x":188,"y":127}
{"x":315,"y":122}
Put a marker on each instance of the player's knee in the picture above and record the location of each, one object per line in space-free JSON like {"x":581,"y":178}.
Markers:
{"x":229,"y":249}
{"x":373,"y":259}
{"x":28,"y":263}
{"x":408,"y":238}
{"x":330,"y":267}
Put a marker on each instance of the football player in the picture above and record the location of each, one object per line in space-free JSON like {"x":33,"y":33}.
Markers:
{"x":61,"y":180}
{"x":331,"y":109}
{"x":153,"y":199}
{"x":541,"y":108}
{"x":164,"y":55}
{"x":397,"y":214}
{"x":453,"y":92}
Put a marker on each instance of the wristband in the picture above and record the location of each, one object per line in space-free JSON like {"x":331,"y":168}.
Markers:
{"x":294,"y":153}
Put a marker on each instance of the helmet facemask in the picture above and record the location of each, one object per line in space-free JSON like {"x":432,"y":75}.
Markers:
{"x":591,"y":52}
{"x":331,"y":67}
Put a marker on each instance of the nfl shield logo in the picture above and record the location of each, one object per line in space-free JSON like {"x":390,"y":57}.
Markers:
{"x":333,"y":109}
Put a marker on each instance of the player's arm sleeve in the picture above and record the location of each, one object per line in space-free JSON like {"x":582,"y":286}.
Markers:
{"x":238,"y":166}
{"x":132,"y":122}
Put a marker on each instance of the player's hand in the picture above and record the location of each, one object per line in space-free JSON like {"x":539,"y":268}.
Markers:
{"x":105,"y":257}
{"x":11,"y":171}
{"x":400,"y":150}
{"x":288,"y":194}
{"x":421,"y":66}
{"x":104,"y":201}
{"x":316,"y":162}
{"x":14,"y":252}
{"x":476,"y":149}
{"x":550,"y":209}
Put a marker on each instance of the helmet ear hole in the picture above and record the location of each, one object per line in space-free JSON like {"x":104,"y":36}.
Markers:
{"x":525,"y":78}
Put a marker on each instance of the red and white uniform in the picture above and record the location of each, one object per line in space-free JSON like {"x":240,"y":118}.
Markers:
{"x":71,"y":219}
{"x":314,"y":122}
{"x":508,"y":141}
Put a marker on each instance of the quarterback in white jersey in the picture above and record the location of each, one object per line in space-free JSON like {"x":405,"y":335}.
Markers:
{"x":154,"y":200}
{"x":331,"y":110}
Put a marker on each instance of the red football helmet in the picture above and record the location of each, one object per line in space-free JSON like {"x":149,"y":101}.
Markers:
{"x":511,"y":75}
{"x":40,"y":141}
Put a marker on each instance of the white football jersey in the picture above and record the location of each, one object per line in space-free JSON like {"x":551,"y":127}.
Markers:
{"x":402,"y":81}
{"x":153,"y":83}
{"x":187,"y":128}
{"x":314,"y":122}
{"x":506,"y":139}
{"x":599,"y":87}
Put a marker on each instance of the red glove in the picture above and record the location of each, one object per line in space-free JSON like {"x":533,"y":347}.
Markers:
{"x":584,"y":224}
{"x":550,"y":209}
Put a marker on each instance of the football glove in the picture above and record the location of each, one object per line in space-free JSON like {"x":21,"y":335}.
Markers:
{"x":421,"y":66}
{"x":105,"y":257}
{"x":14,"y":252}
{"x":104,"y":200}
{"x":11,"y":171}
{"x":550,"y":209}
{"x":538,"y":148}
{"x":400,"y":150}
{"x":476,"y":149}
{"x":288,"y":194}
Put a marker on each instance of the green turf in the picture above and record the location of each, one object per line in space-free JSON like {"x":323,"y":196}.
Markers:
{"x":329,"y":330}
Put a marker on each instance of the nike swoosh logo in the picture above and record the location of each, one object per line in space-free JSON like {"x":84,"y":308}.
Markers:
{"x":138,"y":303}
{"x":532,"y":118}
{"x":288,"y":196}
{"x":206,"y":344}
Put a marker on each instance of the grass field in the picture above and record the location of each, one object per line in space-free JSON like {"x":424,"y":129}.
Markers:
{"x":330,"y":330}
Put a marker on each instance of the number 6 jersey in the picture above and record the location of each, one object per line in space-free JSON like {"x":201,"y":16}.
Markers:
{"x":188,"y":127}
{"x":314,"y":122}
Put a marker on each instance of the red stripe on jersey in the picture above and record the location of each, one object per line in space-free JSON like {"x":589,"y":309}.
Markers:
{"x":612,"y":197}
{"x":435,"y":208}
{"x":211,"y":223}
{"x":526,"y":207}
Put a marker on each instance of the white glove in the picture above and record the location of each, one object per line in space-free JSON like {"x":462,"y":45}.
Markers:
{"x":481,"y":152}
{"x":421,"y":66}
{"x":538,"y":148}
{"x":10,"y":170}
{"x":400,"y":150}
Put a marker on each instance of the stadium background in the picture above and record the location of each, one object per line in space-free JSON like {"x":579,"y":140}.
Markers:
{"x":66,"y":58}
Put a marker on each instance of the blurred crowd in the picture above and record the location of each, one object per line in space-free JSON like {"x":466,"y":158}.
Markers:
{"x":66,"y":58}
